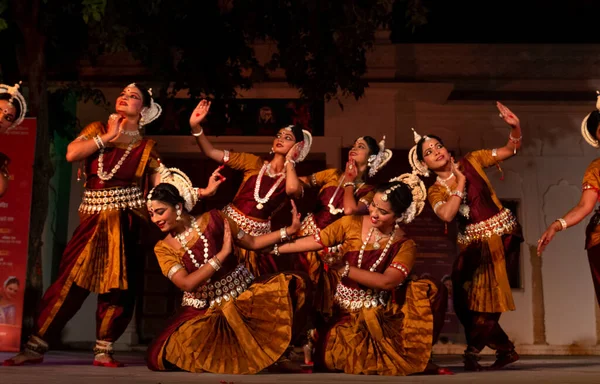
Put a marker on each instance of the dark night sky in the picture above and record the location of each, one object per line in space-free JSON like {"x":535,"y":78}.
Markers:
{"x":509,"y":21}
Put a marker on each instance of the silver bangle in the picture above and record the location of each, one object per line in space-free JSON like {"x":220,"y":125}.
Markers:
{"x":174,"y":269}
{"x":563,"y":223}
{"x":348,"y":184}
{"x":199,"y":133}
{"x":225,"y":156}
{"x":240,"y":235}
{"x":457,"y":193}
{"x":215,"y":264}
{"x":99,"y":142}
{"x":514,"y":139}
{"x":283,"y":234}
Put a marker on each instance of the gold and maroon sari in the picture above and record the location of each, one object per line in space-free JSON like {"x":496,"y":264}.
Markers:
{"x":480,"y":282}
{"x":323,"y":215}
{"x":374,"y":331}
{"x":103,"y":255}
{"x":591,"y":180}
{"x":253,"y":217}
{"x":235,"y":323}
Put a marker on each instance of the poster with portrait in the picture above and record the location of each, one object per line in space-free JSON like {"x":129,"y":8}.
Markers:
{"x":19,"y":146}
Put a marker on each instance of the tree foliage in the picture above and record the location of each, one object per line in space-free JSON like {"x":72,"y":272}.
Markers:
{"x":203,"y":46}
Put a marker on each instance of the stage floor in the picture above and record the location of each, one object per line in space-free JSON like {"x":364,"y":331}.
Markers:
{"x":75,"y":367}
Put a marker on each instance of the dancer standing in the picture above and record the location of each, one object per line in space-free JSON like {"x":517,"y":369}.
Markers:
{"x":487,"y":233}
{"x":103,"y":254}
{"x":590,"y":130}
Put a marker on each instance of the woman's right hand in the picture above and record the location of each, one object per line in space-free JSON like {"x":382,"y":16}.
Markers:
{"x":115,"y":124}
{"x":199,"y":113}
{"x":546,"y":238}
{"x":456,"y":170}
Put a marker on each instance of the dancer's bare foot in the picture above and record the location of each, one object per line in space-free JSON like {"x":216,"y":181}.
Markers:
{"x":25,"y":357}
{"x":106,"y":360}
{"x":503,"y":358}
{"x":471,"y":361}
{"x":434,"y":369}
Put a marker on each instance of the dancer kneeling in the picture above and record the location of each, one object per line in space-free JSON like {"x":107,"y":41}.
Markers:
{"x":230,"y":322}
{"x":382,"y":323}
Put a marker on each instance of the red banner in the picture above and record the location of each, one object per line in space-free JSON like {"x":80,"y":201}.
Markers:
{"x":15,"y":206}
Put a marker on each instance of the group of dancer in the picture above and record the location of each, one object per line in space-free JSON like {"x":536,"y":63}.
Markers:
{"x":348,"y":297}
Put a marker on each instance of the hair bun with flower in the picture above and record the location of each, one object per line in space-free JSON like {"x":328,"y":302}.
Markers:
{"x":304,"y":146}
{"x":151,"y":113}
{"x":376,"y":162}
{"x":418,"y":166}
{"x":181,"y":181}
{"x":419,"y":195}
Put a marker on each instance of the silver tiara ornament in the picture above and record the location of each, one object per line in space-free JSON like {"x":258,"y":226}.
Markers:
{"x":418,"y":166}
{"x":15,"y":95}
{"x":591,"y":140}
{"x":376,"y":162}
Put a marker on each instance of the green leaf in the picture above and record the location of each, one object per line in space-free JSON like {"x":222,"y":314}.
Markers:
{"x":3,"y":24}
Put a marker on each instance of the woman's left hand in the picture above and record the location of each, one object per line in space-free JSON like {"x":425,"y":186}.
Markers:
{"x":507,"y":115}
{"x":351,"y":172}
{"x":294,"y":152}
{"x":213,"y":183}
{"x":296,"y":224}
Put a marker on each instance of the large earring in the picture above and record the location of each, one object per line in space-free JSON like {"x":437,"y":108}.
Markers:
{"x":272,"y":151}
{"x":178,"y":214}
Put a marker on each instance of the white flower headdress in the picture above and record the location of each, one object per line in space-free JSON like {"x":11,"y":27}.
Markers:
{"x":151,"y":113}
{"x":418,"y":166}
{"x":591,"y":140}
{"x":179,"y":180}
{"x":376,"y":162}
{"x":15,"y":95}
{"x":419,"y":194}
{"x":304,"y":145}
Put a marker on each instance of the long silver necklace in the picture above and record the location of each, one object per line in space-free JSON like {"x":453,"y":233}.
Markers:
{"x":261,"y":201}
{"x":373,"y":267}
{"x":182,"y":238}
